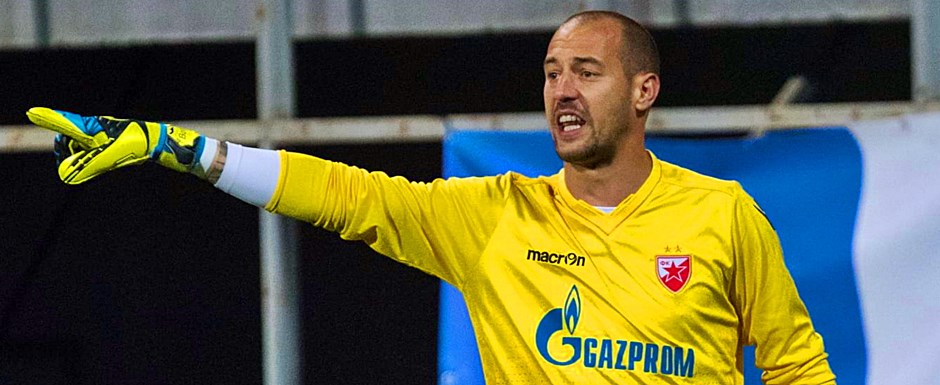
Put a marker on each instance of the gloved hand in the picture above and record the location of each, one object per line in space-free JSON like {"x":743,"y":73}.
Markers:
{"x":88,"y":146}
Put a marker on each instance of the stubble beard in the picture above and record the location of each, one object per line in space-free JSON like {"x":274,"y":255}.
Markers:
{"x":591,"y":155}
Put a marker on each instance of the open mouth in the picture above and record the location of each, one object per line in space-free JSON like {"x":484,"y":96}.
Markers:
{"x":569,"y":122}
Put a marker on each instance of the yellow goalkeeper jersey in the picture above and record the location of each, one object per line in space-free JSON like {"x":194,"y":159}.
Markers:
{"x":666,"y":289}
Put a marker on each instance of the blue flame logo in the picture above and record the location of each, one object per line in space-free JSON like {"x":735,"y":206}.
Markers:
{"x":572,"y":309}
{"x":556,"y":320}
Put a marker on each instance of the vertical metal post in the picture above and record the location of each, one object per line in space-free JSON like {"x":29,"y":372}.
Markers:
{"x":925,"y":50}
{"x":280,"y":290}
{"x":282,"y":355}
{"x":41,"y":22}
{"x":357,"y":17}
{"x":683,"y":14}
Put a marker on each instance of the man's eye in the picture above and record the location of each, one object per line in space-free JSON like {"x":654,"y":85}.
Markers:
{"x":588,"y":74}
{"x":552,"y":75}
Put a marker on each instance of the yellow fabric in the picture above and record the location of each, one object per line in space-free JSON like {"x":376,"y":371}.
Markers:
{"x":559,"y":292}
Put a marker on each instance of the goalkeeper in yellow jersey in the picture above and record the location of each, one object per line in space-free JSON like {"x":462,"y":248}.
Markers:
{"x":619,"y":269}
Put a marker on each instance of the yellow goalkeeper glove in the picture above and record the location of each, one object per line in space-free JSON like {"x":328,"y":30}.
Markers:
{"x":88,"y":146}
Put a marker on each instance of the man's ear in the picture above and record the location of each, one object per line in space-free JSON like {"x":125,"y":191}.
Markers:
{"x":645,"y":91}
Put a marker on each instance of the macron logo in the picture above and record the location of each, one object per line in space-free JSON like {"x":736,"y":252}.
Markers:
{"x":570,"y":259}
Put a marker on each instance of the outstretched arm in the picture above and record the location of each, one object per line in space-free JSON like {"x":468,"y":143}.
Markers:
{"x":88,"y":146}
{"x":440,"y":227}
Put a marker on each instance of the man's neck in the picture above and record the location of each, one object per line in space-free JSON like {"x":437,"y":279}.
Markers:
{"x":610,"y":184}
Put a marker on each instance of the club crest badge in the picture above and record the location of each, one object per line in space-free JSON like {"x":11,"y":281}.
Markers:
{"x":674,"y":271}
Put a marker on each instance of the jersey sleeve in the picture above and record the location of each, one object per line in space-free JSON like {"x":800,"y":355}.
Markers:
{"x":439,"y":227}
{"x":773,"y":317}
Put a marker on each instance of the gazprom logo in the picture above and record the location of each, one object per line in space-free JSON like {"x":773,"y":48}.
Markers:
{"x":606,"y":353}
{"x":552,"y":322}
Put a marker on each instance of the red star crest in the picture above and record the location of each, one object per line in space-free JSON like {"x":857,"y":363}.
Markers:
{"x":674,"y":271}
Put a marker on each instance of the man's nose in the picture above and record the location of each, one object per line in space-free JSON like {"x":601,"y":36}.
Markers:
{"x":566,"y":88}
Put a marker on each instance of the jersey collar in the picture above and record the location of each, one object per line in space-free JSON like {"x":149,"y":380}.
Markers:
{"x":608,"y":222}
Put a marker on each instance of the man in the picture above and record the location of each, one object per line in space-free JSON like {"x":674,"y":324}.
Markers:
{"x":621,"y":268}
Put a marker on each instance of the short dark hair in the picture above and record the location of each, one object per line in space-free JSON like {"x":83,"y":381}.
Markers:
{"x":638,"y":52}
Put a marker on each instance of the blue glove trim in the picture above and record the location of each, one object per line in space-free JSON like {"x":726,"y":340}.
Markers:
{"x":200,"y":146}
{"x":161,"y":143}
{"x":88,"y":124}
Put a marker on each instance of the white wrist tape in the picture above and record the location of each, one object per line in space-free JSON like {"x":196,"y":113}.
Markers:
{"x":250,"y":174}
{"x":209,"y":149}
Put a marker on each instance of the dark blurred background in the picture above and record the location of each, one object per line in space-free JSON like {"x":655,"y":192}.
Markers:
{"x":844,"y":62}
